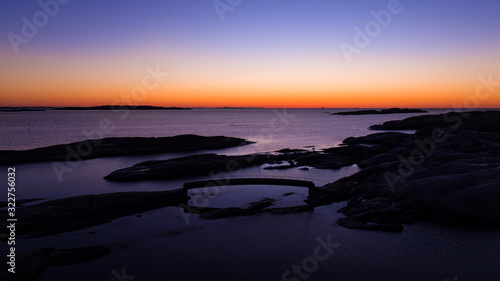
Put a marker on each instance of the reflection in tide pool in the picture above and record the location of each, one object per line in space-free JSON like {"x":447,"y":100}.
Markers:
{"x":242,"y":195}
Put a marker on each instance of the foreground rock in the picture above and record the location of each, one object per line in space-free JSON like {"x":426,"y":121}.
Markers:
{"x":473,"y":120}
{"x":449,"y":170}
{"x":383,"y":111}
{"x":196,"y":165}
{"x":74,"y":213}
{"x":108,"y":147}
{"x":210,"y":164}
{"x":30,"y":265}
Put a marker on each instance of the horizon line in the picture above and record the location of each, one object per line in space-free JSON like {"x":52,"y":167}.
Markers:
{"x":237,"y":107}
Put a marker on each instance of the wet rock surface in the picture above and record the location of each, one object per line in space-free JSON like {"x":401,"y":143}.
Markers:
{"x":74,"y":213}
{"x":205,"y":164}
{"x":196,"y":165}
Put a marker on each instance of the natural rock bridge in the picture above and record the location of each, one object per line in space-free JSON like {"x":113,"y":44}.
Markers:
{"x":250,"y":181}
{"x":255,"y":207}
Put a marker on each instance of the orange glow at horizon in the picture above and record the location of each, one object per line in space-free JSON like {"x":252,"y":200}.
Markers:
{"x":184,"y":97}
{"x":213,"y":80}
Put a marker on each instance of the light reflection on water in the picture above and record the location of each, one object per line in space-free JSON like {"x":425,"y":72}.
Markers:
{"x":299,"y":127}
{"x":242,"y":195}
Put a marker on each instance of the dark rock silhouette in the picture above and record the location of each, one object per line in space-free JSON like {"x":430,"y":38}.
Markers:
{"x":115,"y":146}
{"x":471,"y":120}
{"x":200,"y":165}
{"x":195,"y":165}
{"x":448,"y":170}
{"x":74,"y":213}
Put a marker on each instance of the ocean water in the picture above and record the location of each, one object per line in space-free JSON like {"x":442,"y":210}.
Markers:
{"x":270,"y":129}
{"x":166,"y":245}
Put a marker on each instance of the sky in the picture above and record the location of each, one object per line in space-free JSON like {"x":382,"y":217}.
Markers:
{"x":251,"y":53}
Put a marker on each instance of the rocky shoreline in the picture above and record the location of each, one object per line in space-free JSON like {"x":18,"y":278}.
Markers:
{"x":447,"y":171}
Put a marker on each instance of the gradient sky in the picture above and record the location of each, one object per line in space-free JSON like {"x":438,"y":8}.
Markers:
{"x":263,"y":53}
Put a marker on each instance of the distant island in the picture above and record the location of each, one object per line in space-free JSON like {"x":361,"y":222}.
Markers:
{"x":99,"y":107}
{"x":20,"y":109}
{"x":383,"y":111}
{"x":129,"y":107}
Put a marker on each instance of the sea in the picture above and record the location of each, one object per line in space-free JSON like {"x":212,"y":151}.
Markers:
{"x":167,"y":245}
{"x":270,"y":129}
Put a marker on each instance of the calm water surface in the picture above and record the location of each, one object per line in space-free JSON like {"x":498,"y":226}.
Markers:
{"x":271,"y":129}
{"x":165,"y":245}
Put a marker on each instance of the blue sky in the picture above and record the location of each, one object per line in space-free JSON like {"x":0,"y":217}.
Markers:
{"x":306,"y":32}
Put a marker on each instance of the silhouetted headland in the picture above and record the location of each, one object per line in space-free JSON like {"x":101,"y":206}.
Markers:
{"x":118,"y":146}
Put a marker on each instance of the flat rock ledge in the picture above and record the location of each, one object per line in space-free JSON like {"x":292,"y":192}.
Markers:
{"x":118,"y":146}
{"x":75,"y":213}
{"x":209,"y":164}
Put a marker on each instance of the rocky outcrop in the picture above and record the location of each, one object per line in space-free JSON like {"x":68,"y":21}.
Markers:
{"x":471,"y":120}
{"x":383,"y":111}
{"x":205,"y":164}
{"x":448,"y":170}
{"x":109,"y":147}
{"x":195,"y":165}
{"x":74,"y":213}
